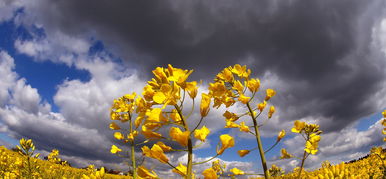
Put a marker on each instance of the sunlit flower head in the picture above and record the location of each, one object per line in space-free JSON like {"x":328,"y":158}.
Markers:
{"x":253,"y":84}
{"x":209,"y":173}
{"x":115,"y":149}
{"x":269,"y":94}
{"x":262,"y":105}
{"x":177,"y":135}
{"x":145,"y":173}
{"x":243,"y":127}
{"x":243,"y":99}
{"x":298,"y":126}
{"x":285,"y":154}
{"x":237,"y":171}
{"x":155,"y":152}
{"x":180,"y":169}
{"x":202,"y":133}
{"x":118,"y":135}
{"x":204,"y":106}
{"x":227,"y":141}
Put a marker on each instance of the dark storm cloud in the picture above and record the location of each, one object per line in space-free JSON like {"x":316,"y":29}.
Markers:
{"x":325,"y":45}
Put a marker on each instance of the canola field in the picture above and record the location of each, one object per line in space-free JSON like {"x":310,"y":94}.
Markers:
{"x":160,"y":107}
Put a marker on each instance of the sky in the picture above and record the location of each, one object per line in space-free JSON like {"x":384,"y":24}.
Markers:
{"x":62,"y":63}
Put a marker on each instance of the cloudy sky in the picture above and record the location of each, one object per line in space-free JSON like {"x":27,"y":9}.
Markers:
{"x":63,"y":62}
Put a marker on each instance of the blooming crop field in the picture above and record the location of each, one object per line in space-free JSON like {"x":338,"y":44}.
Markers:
{"x":192,"y":89}
{"x":140,"y":121}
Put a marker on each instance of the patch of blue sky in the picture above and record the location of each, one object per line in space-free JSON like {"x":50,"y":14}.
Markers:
{"x":9,"y":140}
{"x":364,"y":123}
{"x":45,"y":75}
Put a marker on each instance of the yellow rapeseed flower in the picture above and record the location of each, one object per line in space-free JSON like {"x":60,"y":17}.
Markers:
{"x":155,"y":115}
{"x":244,"y":99}
{"x":285,"y":154}
{"x":242,"y":153}
{"x":175,"y":116}
{"x":145,"y":173}
{"x":262,"y":105}
{"x":131,"y":135}
{"x":192,"y":88}
{"x":178,"y":75}
{"x":180,"y":169}
{"x":148,"y":133}
{"x":177,"y":135}
{"x":237,"y":171}
{"x":155,"y":152}
{"x":204,"y":106}
{"x":227,"y":141}
{"x":230,"y":116}
{"x":271,"y":111}
{"x":241,"y":71}
{"x":238,"y":86}
{"x":202,"y":133}
{"x":312,"y":144}
{"x":209,"y":173}
{"x":160,"y":75}
{"x":164,"y":147}
{"x":230,"y":124}
{"x":115,"y":149}
{"x":243,"y":127}
{"x":269,"y":94}
{"x":298,"y":126}
{"x":130,"y":97}
{"x":148,"y":93}
{"x":217,"y":89}
{"x":253,"y":85}
{"x":226,"y":75}
{"x":118,"y":135}
{"x":114,"y":126}
{"x":281,"y":135}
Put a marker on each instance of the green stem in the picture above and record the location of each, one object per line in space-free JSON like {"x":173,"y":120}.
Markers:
{"x":133,"y":153}
{"x":190,"y":145}
{"x":301,"y":165}
{"x":259,"y":143}
{"x":206,"y":160}
{"x":272,"y":146}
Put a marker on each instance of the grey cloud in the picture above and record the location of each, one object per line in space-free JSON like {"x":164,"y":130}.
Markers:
{"x":324,"y":45}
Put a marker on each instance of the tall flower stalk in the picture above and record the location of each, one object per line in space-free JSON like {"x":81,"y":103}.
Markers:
{"x":234,"y":85}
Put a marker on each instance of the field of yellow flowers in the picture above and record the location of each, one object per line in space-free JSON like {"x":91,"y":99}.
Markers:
{"x":162,"y":105}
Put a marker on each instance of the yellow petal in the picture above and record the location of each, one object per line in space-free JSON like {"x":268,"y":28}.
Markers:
{"x":115,"y":149}
{"x":114,"y":126}
{"x":202,"y":133}
{"x":227,"y":141}
{"x":118,"y":135}
{"x":209,"y":173}
{"x":204,"y":106}
{"x":269,"y":94}
{"x":237,"y":171}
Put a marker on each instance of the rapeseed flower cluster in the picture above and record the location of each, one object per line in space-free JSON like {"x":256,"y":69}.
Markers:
{"x":160,"y":107}
{"x":234,"y":85}
{"x":311,"y":134}
{"x":24,"y":163}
